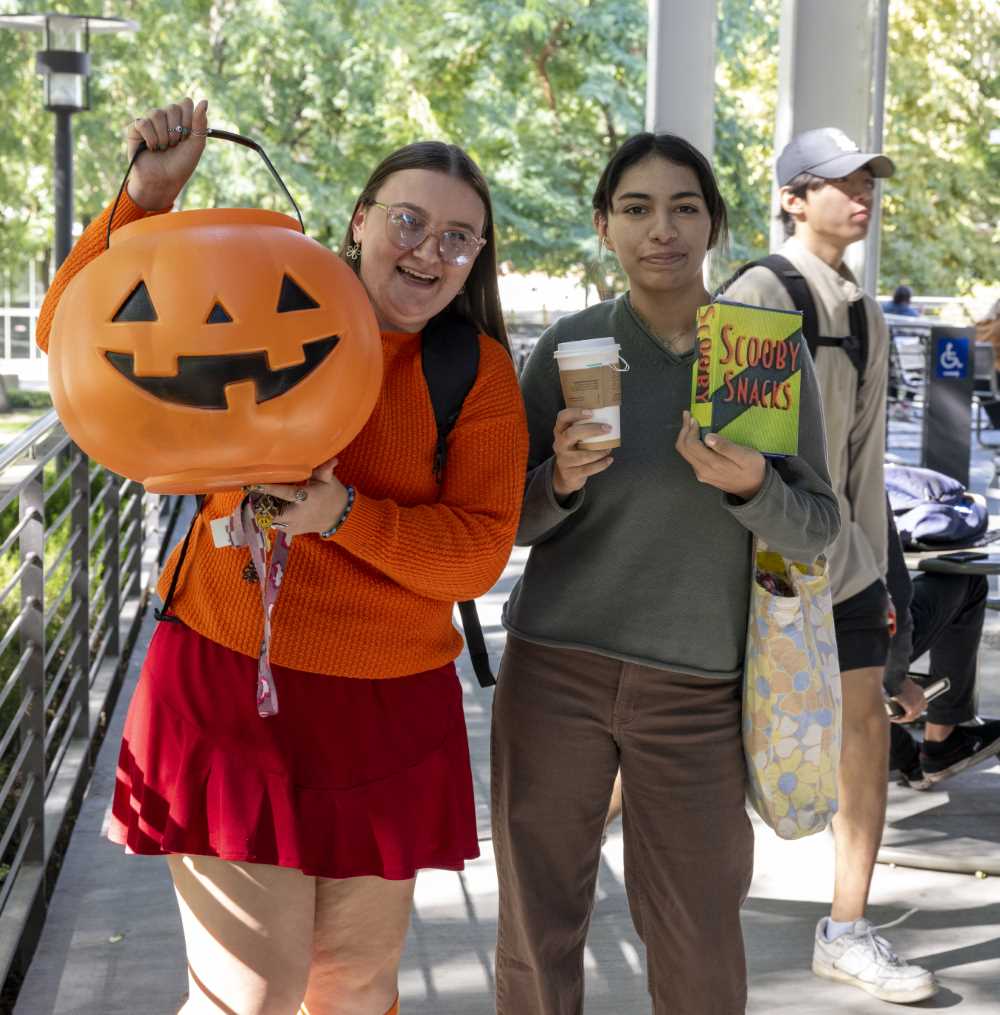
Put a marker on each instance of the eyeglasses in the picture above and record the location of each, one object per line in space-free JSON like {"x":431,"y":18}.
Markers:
{"x":405,"y":229}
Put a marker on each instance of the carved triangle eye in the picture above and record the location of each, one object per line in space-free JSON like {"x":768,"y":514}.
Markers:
{"x":137,"y":307}
{"x":294,"y":297}
{"x":219,"y":315}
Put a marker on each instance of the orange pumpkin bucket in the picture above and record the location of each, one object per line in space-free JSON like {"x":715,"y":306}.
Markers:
{"x":205,"y":350}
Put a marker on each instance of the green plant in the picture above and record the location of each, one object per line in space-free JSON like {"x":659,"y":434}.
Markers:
{"x":21,"y":399}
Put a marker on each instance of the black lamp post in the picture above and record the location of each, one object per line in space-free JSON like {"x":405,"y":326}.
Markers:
{"x":64,"y":63}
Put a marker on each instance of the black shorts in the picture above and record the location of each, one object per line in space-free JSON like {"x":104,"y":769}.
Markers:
{"x":862,"y":625}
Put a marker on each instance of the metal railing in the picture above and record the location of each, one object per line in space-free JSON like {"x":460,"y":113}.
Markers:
{"x":78,"y":554}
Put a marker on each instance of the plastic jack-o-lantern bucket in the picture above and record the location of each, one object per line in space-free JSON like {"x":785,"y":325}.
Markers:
{"x":205,"y":350}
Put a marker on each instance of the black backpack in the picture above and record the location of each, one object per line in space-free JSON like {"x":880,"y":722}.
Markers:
{"x":855,"y":344}
{"x":450,"y":360}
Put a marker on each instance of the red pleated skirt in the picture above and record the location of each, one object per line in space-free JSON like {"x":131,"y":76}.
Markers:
{"x":352,"y":777}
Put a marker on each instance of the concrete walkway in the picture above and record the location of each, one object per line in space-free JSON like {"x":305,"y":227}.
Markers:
{"x":112,"y":944}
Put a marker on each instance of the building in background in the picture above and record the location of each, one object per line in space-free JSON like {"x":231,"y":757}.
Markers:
{"x":21,"y":293}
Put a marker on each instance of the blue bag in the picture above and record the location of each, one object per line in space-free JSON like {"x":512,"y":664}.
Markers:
{"x":933,"y":510}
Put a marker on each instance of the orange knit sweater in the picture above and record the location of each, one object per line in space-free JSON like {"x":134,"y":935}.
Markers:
{"x":376,"y":600}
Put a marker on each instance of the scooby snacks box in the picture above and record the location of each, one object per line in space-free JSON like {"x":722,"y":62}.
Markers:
{"x":745,"y":383}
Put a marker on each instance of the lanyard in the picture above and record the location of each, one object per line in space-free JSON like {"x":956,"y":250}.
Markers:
{"x":269,"y":576}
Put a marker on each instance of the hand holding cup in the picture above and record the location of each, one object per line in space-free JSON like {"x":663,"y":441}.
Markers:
{"x":590,"y":426}
{"x":573,"y":465}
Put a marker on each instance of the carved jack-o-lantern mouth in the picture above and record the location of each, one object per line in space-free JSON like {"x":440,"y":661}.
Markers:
{"x":200,"y":381}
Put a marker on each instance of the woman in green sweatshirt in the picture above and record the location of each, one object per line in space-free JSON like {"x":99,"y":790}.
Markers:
{"x":626,"y":632}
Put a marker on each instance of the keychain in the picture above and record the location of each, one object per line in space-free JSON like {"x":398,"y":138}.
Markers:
{"x":252,"y":525}
{"x":266,"y":510}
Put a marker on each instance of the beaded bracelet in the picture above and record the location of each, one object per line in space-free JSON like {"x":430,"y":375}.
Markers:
{"x":328,"y":533}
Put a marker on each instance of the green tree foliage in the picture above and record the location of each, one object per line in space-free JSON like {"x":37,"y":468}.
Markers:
{"x":942,"y":209}
{"x":25,"y":155}
{"x":941,"y":212}
{"x":539,"y":91}
{"x":746,"y":90}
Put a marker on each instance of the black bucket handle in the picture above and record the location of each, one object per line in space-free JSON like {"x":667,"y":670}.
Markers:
{"x":224,"y":135}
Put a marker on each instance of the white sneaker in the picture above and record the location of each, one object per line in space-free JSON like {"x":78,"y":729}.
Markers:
{"x":865,"y":959}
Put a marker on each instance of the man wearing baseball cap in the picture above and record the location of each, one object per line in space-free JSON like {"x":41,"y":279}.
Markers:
{"x":827,"y":188}
{"x":827,"y":153}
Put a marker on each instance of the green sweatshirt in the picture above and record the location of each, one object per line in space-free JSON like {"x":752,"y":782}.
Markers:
{"x":646,"y":564}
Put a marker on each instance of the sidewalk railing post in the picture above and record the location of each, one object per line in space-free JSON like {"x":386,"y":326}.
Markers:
{"x":32,"y":642}
{"x":80,"y":595}
{"x":113,"y":579}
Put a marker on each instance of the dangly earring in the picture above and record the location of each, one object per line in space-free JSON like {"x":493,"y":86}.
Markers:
{"x":353,"y":251}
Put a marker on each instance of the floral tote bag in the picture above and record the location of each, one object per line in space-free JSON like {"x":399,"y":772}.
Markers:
{"x":791,"y":696}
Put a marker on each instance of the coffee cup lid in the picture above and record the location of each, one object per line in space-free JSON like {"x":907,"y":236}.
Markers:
{"x":586,"y":345}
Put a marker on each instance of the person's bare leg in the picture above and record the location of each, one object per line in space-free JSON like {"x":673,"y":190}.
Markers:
{"x":863,"y":960}
{"x":615,"y":807}
{"x":937,"y":733}
{"x":862,"y":787}
{"x":248,"y":931}
{"x":361,"y":926}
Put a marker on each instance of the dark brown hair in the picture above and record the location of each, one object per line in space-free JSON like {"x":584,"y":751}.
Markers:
{"x":479,"y":302}
{"x":799,"y":186}
{"x":674,"y":149}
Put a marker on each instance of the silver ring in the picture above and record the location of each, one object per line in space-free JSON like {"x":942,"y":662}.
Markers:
{"x":181,"y":129}
{"x":301,"y":494}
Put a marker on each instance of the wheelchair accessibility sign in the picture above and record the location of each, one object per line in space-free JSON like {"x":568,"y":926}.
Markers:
{"x":952,"y":359}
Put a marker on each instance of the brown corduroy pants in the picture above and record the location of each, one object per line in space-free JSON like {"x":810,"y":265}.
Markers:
{"x":564,"y":721}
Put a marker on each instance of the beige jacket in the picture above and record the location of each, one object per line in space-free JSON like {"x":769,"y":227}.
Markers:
{"x":855,"y":420}
{"x":989,"y":331}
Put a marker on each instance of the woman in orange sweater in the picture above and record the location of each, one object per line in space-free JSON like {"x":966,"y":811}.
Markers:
{"x":294,"y":840}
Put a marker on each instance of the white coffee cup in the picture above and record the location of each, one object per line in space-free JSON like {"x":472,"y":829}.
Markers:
{"x":590,"y":375}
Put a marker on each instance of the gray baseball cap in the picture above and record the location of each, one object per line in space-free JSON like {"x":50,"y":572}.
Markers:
{"x":828,"y":153}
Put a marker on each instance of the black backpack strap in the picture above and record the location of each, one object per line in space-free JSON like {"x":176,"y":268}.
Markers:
{"x":855,"y":344}
{"x":450,"y":360}
{"x":163,"y":614}
{"x":798,"y":292}
{"x":801,"y":296}
{"x":476,"y":643}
